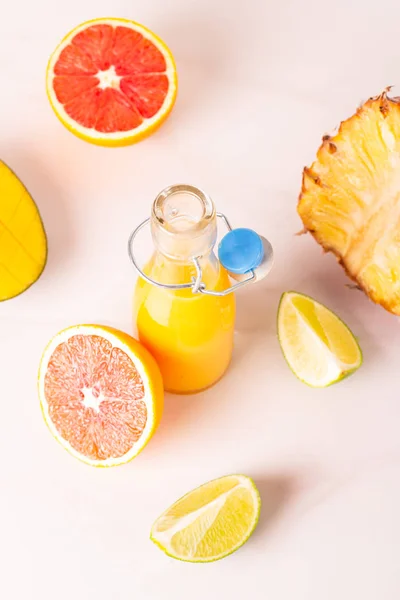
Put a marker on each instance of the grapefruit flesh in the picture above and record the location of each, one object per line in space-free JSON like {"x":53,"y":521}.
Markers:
{"x":112,"y":81}
{"x":99,"y":396}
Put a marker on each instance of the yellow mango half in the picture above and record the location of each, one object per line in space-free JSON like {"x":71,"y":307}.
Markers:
{"x":23,"y":243}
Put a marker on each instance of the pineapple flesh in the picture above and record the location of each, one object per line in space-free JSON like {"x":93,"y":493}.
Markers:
{"x":350,"y":198}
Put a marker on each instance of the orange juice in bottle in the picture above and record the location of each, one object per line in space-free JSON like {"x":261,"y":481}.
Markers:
{"x":190,"y":334}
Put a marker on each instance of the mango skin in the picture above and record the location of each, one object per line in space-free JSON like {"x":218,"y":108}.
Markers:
{"x":23,"y":241}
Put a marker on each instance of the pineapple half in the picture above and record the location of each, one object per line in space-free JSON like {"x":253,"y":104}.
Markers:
{"x":350,"y":198}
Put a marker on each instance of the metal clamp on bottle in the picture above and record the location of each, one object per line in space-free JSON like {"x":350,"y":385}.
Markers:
{"x":246,"y":256}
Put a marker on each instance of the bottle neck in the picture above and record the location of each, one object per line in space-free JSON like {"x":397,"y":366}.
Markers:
{"x":184,"y":227}
{"x":184,"y":224}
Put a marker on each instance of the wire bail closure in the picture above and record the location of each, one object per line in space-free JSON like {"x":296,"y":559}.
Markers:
{"x":196,"y":285}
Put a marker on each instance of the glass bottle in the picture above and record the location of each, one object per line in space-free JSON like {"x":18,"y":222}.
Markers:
{"x":190,"y":334}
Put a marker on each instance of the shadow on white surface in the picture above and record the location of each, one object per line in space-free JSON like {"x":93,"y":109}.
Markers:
{"x":257,"y":307}
{"x":201,"y":48}
{"x":255,"y":331}
{"x":276,"y":493}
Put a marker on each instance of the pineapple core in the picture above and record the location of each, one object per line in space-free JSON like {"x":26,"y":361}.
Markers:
{"x":350,"y":199}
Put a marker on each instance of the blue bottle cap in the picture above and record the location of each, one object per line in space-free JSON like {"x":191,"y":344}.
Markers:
{"x":241,"y":250}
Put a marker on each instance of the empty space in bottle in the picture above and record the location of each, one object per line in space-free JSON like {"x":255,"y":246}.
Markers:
{"x":183,"y":208}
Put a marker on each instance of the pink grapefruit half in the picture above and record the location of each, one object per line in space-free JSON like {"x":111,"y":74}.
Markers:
{"x":101,"y":394}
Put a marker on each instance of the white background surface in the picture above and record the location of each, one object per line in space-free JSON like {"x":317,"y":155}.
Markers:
{"x":260,"y":82}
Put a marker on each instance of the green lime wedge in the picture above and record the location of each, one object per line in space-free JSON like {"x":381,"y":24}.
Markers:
{"x":210,"y":522}
{"x":319,"y":348}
